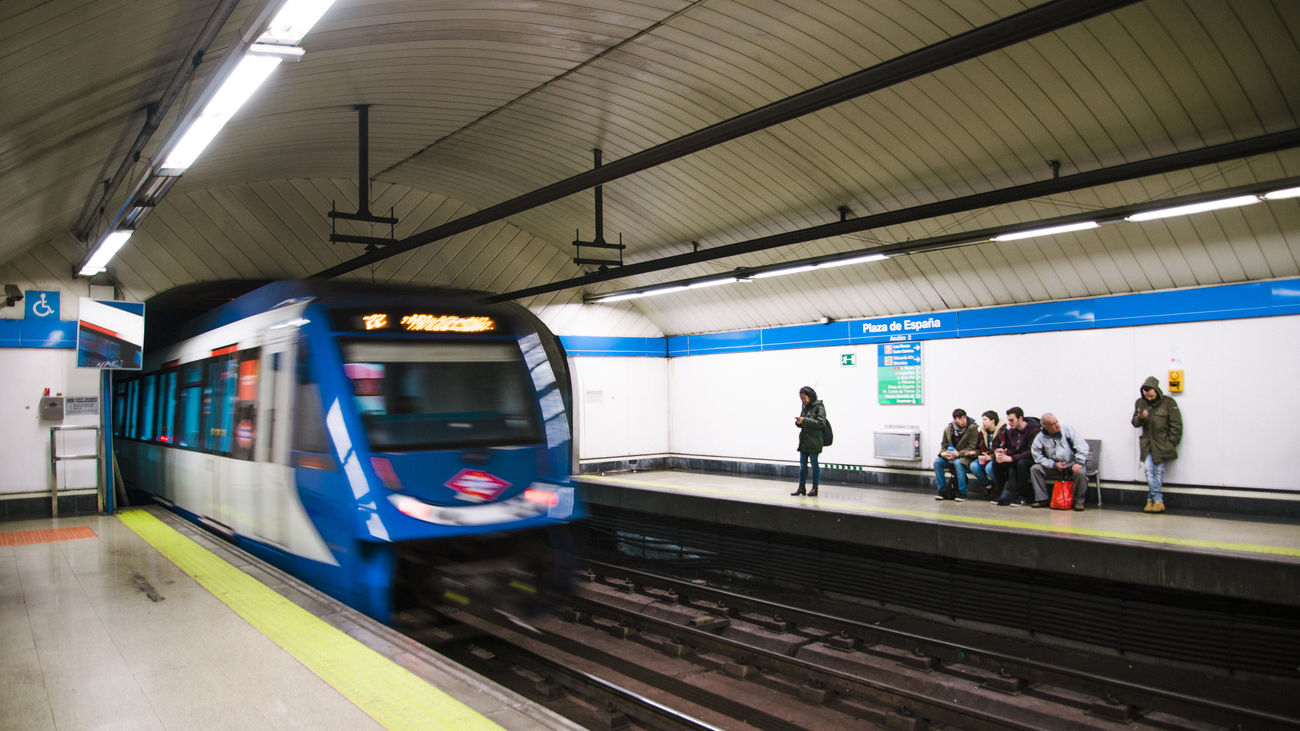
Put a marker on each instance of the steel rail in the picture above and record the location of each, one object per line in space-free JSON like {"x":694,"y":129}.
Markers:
{"x":831,"y":622}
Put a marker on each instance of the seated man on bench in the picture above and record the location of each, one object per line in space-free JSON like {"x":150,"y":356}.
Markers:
{"x":1058,"y":455}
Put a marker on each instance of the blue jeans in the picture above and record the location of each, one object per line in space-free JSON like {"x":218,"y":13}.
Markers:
{"x":983,"y":473}
{"x":958,"y":466}
{"x":1155,"y":479}
{"x":803,"y":469}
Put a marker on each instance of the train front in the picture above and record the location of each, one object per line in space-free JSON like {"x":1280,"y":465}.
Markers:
{"x":449,"y":425}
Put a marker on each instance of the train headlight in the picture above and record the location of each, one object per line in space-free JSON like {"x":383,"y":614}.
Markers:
{"x":541,"y":497}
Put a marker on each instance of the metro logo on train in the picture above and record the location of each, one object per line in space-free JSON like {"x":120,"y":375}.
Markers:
{"x":477,"y":485}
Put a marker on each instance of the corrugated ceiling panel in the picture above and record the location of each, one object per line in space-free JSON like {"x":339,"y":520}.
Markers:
{"x":480,"y":102}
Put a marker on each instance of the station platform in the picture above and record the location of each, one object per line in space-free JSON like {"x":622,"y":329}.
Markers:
{"x":1247,"y":559}
{"x":144,"y":621}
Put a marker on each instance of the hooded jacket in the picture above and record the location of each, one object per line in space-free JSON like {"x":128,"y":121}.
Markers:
{"x":1162,"y":429}
{"x":811,"y":436}
{"x":967,"y":444}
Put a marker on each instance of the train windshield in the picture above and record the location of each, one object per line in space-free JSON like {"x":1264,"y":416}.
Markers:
{"x":420,"y":395}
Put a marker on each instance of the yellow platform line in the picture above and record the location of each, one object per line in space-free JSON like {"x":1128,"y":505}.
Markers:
{"x":972,"y":519}
{"x":389,"y":693}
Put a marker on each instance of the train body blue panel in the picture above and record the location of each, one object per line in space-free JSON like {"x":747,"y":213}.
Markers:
{"x":365,"y":439}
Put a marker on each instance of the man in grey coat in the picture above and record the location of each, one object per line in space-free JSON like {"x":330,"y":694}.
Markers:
{"x":1058,"y":455}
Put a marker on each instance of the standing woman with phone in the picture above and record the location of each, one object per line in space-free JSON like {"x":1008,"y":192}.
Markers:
{"x":811,"y":422}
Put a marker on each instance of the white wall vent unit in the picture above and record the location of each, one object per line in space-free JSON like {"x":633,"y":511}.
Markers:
{"x":902,"y":444}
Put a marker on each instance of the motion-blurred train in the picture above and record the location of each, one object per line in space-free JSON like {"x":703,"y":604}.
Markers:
{"x":396,"y":448}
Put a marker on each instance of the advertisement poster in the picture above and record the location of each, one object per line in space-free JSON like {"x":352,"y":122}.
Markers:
{"x":898,"y":373}
{"x":110,"y":334}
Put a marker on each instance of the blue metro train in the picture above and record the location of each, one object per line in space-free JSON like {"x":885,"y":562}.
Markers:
{"x":396,"y":448}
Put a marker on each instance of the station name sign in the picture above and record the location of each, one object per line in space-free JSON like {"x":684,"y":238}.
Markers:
{"x":902,"y":329}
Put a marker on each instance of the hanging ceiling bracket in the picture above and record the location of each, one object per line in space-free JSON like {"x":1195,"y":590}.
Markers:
{"x":597,"y":241}
{"x":363,"y":214}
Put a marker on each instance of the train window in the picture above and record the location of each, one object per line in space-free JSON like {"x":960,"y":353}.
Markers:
{"x":119,"y":408}
{"x":419,"y":395}
{"x":189,"y":406}
{"x":167,"y":407}
{"x":222,"y":381}
{"x":244,"y":406}
{"x":308,"y":419}
{"x":132,"y":408}
{"x":148,"y":406}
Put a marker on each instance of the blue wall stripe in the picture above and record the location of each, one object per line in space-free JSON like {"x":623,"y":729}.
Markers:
{"x":41,"y":333}
{"x":1225,"y":302}
{"x":598,"y":345}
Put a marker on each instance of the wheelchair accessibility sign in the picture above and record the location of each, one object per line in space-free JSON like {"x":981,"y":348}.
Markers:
{"x":41,"y":305}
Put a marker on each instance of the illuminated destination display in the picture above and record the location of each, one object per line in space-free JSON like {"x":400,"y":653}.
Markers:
{"x":447,"y":324}
{"x":413,"y":322}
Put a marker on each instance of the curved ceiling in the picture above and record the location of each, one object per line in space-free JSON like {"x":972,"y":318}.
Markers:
{"x":474,"y":103}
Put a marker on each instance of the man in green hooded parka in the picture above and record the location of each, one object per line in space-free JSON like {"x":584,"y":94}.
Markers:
{"x":1162,"y":429}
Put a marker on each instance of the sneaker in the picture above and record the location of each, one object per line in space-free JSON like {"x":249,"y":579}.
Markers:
{"x":938,"y":497}
{"x":1039,"y":504}
{"x":1012,"y":504}
{"x":1079,"y":507}
{"x":960,"y":499}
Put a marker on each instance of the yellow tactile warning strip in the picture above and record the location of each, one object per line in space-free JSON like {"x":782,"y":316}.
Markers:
{"x":389,"y":693}
{"x":31,"y":537}
{"x":973,"y":519}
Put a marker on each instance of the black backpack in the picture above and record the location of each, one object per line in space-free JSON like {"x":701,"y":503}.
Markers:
{"x":828,"y":435}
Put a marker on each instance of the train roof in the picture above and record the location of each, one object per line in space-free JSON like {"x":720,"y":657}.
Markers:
{"x":188,"y":311}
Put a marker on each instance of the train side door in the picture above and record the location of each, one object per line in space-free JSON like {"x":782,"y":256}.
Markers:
{"x":273,"y":451}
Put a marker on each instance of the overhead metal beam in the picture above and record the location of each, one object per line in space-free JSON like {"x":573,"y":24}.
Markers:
{"x":1104,"y":216}
{"x":1036,"y":21}
{"x":1103,"y":176}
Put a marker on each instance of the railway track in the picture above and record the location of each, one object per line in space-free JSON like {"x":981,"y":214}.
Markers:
{"x":641,"y":650}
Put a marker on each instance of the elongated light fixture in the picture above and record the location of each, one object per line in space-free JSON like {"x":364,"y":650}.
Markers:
{"x":111,"y":244}
{"x":783,"y":272}
{"x":250,"y":63}
{"x":1278,"y":195}
{"x":1050,"y":231}
{"x":252,"y":70}
{"x":1215,"y":205}
{"x":855,"y":260}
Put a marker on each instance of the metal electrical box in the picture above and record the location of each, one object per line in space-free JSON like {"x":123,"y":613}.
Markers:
{"x":903,"y":445}
{"x":51,"y":408}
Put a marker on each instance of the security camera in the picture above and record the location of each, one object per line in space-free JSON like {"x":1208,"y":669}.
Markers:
{"x":13,"y":295}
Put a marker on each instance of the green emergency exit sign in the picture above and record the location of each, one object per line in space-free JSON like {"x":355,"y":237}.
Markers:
{"x":848,"y":359}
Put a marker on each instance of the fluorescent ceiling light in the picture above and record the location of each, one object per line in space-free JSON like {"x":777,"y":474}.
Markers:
{"x":286,"y":53}
{"x":1050,"y":231}
{"x":106,"y":250}
{"x":782,"y":272}
{"x":1241,"y":200}
{"x":1278,"y":195}
{"x":854,"y":260}
{"x":710,"y":283}
{"x":646,"y":293}
{"x":235,"y":90}
{"x":295,"y":20}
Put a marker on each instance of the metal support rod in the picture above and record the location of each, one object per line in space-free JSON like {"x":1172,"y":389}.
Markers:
{"x":999,"y":34}
{"x":600,"y":203}
{"x":157,"y":112}
{"x":363,"y":160}
{"x":1103,"y":176}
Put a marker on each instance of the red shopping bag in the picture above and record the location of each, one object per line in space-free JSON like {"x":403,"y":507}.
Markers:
{"x":1063,"y":495}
